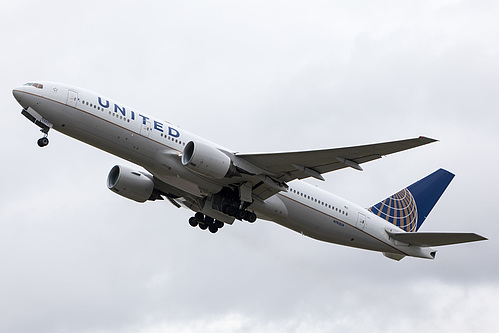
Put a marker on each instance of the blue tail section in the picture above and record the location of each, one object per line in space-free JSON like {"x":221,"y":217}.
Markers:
{"x":409,"y":208}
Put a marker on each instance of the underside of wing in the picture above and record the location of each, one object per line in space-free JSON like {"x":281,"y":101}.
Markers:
{"x":427,"y":239}
{"x":287,"y":166}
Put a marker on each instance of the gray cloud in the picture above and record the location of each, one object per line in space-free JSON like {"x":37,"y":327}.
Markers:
{"x":288,"y":75}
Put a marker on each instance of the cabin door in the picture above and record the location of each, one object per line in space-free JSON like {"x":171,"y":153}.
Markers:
{"x":72,"y":98}
{"x":361,"y":222}
{"x":145,"y":130}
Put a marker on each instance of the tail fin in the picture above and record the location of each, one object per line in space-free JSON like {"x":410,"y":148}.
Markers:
{"x":409,"y":208}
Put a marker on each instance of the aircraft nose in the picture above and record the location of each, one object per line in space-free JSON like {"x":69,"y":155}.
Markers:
{"x":20,"y":96}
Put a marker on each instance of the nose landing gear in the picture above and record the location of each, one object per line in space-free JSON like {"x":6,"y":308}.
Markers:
{"x":42,"y":142}
{"x":39,"y":121}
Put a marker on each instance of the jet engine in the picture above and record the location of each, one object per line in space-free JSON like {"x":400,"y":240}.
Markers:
{"x":206,"y":160}
{"x":131,"y":184}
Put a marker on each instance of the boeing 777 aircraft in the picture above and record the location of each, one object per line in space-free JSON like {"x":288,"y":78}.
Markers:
{"x":221,"y":185}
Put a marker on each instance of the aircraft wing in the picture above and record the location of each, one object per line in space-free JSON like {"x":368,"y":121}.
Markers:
{"x":286,"y":166}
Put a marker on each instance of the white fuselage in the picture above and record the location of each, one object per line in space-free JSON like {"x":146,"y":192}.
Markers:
{"x":156,"y":146}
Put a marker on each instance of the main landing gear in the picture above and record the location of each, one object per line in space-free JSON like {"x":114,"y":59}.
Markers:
{"x":205,"y":222}
{"x":228,"y":202}
{"x":42,"y":142}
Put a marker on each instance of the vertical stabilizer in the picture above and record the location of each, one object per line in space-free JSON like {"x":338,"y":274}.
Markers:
{"x":409,"y":207}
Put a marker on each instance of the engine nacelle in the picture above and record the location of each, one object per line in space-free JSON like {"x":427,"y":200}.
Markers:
{"x":206,"y":160}
{"x":131,"y":184}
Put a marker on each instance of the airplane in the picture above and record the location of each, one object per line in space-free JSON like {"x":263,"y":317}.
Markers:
{"x":221,"y":185}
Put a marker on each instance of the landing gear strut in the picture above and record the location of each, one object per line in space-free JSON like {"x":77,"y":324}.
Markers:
{"x":205,"y":222}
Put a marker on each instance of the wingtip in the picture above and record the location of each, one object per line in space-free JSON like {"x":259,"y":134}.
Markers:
{"x":429,"y":140}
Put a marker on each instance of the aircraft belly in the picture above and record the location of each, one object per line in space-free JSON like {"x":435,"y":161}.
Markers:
{"x":167,"y":166}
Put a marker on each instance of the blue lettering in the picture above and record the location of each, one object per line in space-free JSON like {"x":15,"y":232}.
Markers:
{"x":116,"y":108}
{"x":339,"y":223}
{"x":158,"y":126}
{"x":173,"y":132}
{"x":144,"y":118}
{"x":104,"y":106}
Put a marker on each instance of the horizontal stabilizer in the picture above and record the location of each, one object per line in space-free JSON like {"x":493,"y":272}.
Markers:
{"x":426,"y":239}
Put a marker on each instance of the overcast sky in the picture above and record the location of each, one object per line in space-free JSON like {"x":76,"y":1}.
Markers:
{"x":251,"y":76}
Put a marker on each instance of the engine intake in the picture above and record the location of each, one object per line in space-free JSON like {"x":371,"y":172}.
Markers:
{"x":131,"y":184}
{"x":207,"y":160}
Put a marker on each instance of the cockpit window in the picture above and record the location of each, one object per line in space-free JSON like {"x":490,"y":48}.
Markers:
{"x":36,"y":85}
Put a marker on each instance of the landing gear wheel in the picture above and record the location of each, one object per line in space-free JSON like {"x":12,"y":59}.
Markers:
{"x":199,"y":217}
{"x":241,"y":214}
{"x":208,"y":220}
{"x":251,"y":217}
{"x":219,"y":224}
{"x":193,"y":222}
{"x":213,"y":229}
{"x":42,"y":142}
{"x":231,"y":211}
{"x":203,"y":226}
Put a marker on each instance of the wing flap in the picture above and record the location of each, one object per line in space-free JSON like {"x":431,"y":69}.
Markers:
{"x":427,"y":239}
